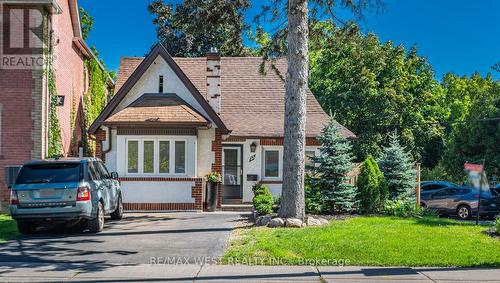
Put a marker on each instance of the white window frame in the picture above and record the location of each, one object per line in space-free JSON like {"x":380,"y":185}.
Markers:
{"x":156,"y":157}
{"x":280,"y":162}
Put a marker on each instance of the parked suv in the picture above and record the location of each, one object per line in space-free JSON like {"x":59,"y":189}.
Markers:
{"x":459,"y":201}
{"x":436,"y":185}
{"x":65,"y":191}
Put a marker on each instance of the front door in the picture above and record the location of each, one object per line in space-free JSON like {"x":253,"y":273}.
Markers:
{"x":231,"y":174}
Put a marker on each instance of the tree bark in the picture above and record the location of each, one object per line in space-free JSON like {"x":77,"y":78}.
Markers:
{"x":292,"y":204}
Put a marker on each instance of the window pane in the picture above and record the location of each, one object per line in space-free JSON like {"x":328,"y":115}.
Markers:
{"x":180,"y":157}
{"x":309,"y":160}
{"x":149,"y":156}
{"x":133,"y":157}
{"x":164,"y":156}
{"x":271,"y":163}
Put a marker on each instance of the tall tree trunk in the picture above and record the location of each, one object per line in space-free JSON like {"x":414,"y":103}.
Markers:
{"x":292,"y":204}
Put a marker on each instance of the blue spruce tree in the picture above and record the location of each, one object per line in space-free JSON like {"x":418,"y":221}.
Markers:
{"x":399,"y":170}
{"x":334,"y":162}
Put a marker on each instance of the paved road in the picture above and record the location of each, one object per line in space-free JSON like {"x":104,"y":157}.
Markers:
{"x":32,"y":272}
{"x":133,"y":240}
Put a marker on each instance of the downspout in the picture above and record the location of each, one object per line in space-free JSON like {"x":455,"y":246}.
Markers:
{"x":110,"y":142}
{"x":108,"y":138}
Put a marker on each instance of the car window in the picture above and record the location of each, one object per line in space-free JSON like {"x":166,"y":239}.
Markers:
{"x":431,"y":187}
{"x":93,"y":171}
{"x":102,"y":170}
{"x":440,"y":193}
{"x":50,"y":173}
{"x":454,"y":191}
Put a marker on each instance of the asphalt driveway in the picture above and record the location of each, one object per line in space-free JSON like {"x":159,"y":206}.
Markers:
{"x":136,"y":239}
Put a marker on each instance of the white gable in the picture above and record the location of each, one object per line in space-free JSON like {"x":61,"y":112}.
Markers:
{"x":148,"y":83}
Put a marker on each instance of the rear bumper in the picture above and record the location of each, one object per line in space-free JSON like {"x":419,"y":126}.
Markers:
{"x":53,"y":214}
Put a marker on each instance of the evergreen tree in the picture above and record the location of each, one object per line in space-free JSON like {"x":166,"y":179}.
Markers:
{"x":398,"y":168}
{"x":334,"y":162}
{"x":370,"y":185}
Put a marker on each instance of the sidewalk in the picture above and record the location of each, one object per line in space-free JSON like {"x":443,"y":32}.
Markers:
{"x":81,"y":272}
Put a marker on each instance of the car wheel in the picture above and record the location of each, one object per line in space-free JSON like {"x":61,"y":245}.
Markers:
{"x":26,"y":228}
{"x":97,"y":224}
{"x":463,"y":212}
{"x":118,"y":213}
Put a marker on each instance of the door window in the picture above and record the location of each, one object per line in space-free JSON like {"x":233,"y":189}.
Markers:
{"x":231,"y":166}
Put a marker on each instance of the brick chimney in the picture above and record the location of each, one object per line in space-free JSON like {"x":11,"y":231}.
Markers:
{"x":213,"y":80}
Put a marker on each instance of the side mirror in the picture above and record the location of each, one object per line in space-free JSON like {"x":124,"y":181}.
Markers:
{"x":114,"y":175}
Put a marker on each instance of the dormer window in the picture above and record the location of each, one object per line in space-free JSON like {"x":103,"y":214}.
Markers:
{"x":160,"y":84}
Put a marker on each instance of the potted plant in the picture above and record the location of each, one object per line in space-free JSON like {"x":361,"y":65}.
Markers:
{"x":213,"y":179}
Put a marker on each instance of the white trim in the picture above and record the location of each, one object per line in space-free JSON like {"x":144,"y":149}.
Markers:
{"x":279,"y":149}
{"x":156,"y":158}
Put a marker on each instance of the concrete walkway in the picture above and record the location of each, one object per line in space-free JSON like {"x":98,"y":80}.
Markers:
{"x":75,"y":272}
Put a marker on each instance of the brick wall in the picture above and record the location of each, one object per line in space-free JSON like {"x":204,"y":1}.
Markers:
{"x":279,"y":141}
{"x":69,"y":71}
{"x":217,"y":165}
{"x":100,"y":136}
{"x":24,"y":102}
{"x":17,"y":128}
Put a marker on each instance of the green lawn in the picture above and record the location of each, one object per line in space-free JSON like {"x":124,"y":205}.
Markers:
{"x":381,"y":241}
{"x":8,"y":228}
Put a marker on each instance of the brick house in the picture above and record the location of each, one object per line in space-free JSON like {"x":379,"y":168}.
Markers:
{"x":30,"y":28}
{"x":173,"y":120}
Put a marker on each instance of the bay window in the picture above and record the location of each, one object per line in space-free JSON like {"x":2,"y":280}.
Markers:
{"x":156,"y":156}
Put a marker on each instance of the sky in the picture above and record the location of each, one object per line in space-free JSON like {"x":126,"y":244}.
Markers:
{"x":459,"y":36}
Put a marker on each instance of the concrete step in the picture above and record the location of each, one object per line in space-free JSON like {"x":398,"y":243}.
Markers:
{"x":237,"y":207}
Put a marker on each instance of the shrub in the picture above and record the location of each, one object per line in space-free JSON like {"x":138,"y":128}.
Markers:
{"x":372,"y":186}
{"x":401,"y":208}
{"x":497,"y":225}
{"x":263,"y":200}
{"x":313,"y":197}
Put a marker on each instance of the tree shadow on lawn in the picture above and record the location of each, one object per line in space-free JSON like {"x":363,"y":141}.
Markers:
{"x":437,"y":221}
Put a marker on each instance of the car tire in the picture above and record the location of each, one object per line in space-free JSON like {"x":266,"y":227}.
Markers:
{"x":464,"y":212}
{"x":26,"y":228}
{"x":96,"y":224}
{"x":118,"y":213}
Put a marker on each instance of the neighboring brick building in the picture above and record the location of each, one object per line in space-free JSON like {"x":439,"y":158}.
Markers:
{"x":31,"y":29}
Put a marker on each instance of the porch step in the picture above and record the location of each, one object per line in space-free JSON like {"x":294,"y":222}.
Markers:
{"x":237,"y":207}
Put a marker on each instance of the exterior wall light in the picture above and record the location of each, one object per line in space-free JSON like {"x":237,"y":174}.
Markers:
{"x":253,"y":147}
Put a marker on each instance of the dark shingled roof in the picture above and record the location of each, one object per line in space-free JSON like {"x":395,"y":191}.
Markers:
{"x":252,"y":104}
